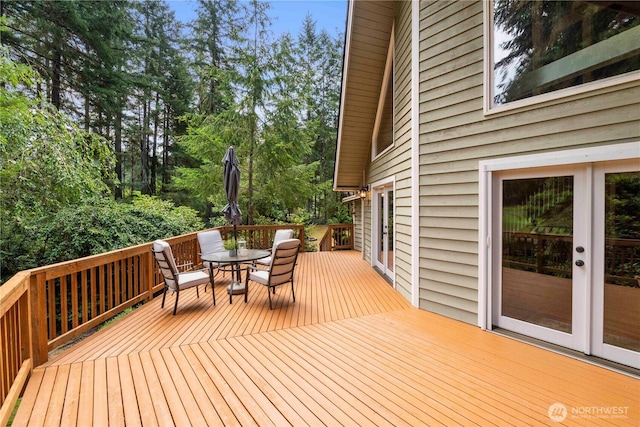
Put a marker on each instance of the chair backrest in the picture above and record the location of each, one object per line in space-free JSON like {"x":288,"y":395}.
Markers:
{"x":283,"y":234}
{"x":166,"y":262}
{"x":283,"y":261}
{"x":210,"y":241}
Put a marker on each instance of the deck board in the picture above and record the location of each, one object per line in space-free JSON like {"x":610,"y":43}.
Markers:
{"x":350,"y":351}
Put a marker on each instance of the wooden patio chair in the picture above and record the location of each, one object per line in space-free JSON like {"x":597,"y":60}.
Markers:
{"x":279,"y":236}
{"x":281,"y":268}
{"x":173,"y":279}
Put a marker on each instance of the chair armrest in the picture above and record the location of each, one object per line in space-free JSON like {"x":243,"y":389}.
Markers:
{"x":251,"y":267}
{"x":185,"y":265}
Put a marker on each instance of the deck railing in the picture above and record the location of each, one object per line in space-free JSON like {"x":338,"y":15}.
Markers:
{"x":46,"y":307}
{"x":337,"y":237}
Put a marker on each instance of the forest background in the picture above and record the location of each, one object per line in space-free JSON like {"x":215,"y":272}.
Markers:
{"x":115,"y":117}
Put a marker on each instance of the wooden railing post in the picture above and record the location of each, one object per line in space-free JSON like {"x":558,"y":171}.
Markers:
{"x":39,"y":338}
{"x":25,"y":326}
{"x":301,"y":236}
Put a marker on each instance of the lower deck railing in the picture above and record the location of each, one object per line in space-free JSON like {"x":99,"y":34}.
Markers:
{"x":46,"y":307}
{"x":337,"y":237}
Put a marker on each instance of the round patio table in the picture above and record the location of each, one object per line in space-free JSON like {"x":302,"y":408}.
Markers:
{"x":237,"y":286}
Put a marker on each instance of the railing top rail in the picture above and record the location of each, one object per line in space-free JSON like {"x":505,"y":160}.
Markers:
{"x":11,"y":291}
{"x":67,"y":267}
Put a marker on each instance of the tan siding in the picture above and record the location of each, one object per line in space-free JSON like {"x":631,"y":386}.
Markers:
{"x":397,"y":161}
{"x":403,"y":138}
{"x":358,"y":243}
{"x":455,"y":135}
{"x":449,"y":245}
{"x":367,"y":231}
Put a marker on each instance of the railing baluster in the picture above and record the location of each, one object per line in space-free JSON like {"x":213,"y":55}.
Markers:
{"x":74,"y":300}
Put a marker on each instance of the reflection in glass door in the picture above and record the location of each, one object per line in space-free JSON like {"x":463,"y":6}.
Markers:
{"x":537,"y":241}
{"x":383,"y":236}
{"x":616,"y":290}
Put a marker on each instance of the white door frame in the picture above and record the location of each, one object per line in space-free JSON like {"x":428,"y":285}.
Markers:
{"x":577,"y":339}
{"x":377,"y":187}
{"x":487,"y":193}
{"x":598,"y":346}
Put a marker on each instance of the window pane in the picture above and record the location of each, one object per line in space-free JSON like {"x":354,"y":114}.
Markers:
{"x":385,"y":132}
{"x":543,"y":46}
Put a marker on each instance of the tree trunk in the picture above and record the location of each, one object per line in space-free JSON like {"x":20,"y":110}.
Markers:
{"x":56,"y":71}
{"x":144,"y":150}
{"x":154,"y":148}
{"x":165,"y":146}
{"x":118,"y":150}
{"x":252,"y":143}
{"x":87,"y":114}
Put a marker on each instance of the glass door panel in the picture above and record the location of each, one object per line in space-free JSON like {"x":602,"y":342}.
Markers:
{"x":389,"y":235}
{"x":383,"y":236}
{"x":381,"y":228}
{"x":621,"y":318}
{"x":537,"y":248}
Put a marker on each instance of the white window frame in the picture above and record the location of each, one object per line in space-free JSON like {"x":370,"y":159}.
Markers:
{"x":486,"y":168}
{"x":386,"y":81}
{"x":490,"y":108}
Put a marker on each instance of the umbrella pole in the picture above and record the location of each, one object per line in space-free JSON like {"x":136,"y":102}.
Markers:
{"x":235,"y":239}
{"x":235,"y":236}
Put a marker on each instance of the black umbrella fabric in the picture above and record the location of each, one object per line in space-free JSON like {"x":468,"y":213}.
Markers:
{"x":231,"y":183}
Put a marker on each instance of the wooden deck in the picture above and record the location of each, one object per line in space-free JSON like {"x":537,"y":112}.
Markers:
{"x":350,"y":351}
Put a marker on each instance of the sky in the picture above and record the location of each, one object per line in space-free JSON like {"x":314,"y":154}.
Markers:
{"x":287,"y":15}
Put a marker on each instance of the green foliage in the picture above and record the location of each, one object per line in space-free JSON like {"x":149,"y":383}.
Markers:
{"x":300,"y":216}
{"x":124,"y":102}
{"x":229,"y":244}
{"x":103,"y":225}
{"x":622,"y":205}
{"x":341,"y":216}
{"x":46,"y":163}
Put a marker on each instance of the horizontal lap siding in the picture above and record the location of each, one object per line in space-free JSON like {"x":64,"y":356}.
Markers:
{"x":397,"y":161}
{"x":455,"y":135}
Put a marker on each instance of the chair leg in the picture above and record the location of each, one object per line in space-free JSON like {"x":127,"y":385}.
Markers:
{"x":198,"y":291}
{"x":164,"y":294}
{"x":213,"y":291}
{"x":293,"y":293}
{"x":211,"y":277}
{"x":175,"y":307}
{"x":269,"y":293}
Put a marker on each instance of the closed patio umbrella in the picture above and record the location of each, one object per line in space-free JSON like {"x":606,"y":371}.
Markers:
{"x":231,"y":183}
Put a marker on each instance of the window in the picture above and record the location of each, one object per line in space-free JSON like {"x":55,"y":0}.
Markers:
{"x":540,"y":47}
{"x":383,"y":128}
